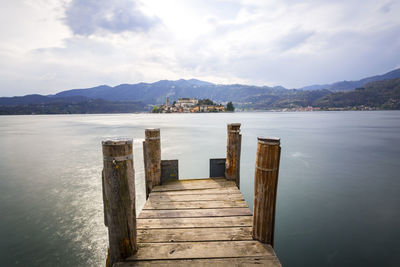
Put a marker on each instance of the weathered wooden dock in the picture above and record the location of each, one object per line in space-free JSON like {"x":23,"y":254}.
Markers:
{"x":196,"y":222}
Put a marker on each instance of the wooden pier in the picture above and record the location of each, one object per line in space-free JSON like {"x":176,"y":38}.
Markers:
{"x":196,"y":222}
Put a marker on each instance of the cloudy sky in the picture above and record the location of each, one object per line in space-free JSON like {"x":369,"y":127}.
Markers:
{"x":48,"y":46}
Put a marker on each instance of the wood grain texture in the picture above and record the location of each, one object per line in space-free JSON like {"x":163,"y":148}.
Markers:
{"x":104,"y":198}
{"x":194,"y":234}
{"x":194,"y":184}
{"x":191,"y":213}
{"x":265,"y":187}
{"x":266,"y":261}
{"x":152,"y":155}
{"x":198,"y":250}
{"x":146,"y":179}
{"x":213,"y":191}
{"x":169,"y":205}
{"x":195,"y":222}
{"x":198,"y":222}
{"x":119,"y":197}
{"x":198,"y":197}
{"x":233,"y":149}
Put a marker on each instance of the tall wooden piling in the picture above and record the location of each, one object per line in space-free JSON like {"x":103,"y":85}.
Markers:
{"x":233,"y":149}
{"x":265,"y":187}
{"x":152,"y":159}
{"x":119,"y":199}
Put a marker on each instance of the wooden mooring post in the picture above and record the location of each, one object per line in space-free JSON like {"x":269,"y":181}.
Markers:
{"x":199,"y":222}
{"x":233,"y":149}
{"x":119,"y":199}
{"x":152,"y":159}
{"x":265,"y":187}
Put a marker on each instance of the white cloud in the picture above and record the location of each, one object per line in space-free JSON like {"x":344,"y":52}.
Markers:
{"x":90,"y":16}
{"x":51,"y":45}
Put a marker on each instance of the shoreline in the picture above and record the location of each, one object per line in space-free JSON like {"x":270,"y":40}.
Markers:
{"x":244,"y":111}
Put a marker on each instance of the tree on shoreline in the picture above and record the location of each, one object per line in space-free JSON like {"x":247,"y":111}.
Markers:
{"x":230,"y":107}
{"x":206,"y":102}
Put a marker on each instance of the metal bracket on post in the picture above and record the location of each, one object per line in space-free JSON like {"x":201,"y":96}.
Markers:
{"x":169,"y":170}
{"x":217,"y":167}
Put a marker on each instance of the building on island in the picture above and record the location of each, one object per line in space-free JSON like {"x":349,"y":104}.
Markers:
{"x":189,"y":105}
{"x":187,"y":102}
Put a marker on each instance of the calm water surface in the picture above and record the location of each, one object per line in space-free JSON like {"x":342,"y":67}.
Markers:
{"x":338,"y":194}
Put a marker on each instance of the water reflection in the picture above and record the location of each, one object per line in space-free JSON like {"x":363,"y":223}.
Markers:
{"x":337,"y":194}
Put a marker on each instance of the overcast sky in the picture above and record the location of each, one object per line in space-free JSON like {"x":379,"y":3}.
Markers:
{"x":47,"y":46}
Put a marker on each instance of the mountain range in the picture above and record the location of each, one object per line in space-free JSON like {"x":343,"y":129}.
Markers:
{"x":351,"y":85}
{"x":381,"y":91}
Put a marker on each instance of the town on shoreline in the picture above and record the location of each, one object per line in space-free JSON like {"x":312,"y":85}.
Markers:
{"x":192,"y":105}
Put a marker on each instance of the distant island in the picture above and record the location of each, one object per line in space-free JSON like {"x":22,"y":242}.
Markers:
{"x":381,"y":92}
{"x":192,"y":105}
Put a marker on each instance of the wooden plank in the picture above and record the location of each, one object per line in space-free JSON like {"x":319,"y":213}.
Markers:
{"x":194,"y":222}
{"x":200,"y":185}
{"x":198,"y":250}
{"x":194,"y":184}
{"x":213,"y":191}
{"x":149,"y":214}
{"x":206,"y":197}
{"x":165,"y":205}
{"x":266,"y":261}
{"x":197,"y":180}
{"x":194,"y":234}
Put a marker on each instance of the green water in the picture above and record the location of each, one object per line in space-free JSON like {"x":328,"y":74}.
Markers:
{"x":338,"y":193}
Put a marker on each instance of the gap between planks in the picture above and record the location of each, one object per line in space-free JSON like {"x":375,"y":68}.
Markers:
{"x":204,"y":191}
{"x":200,"y":222}
{"x":190,"y":180}
{"x":155,"y":205}
{"x":198,"y":250}
{"x":266,"y":261}
{"x":192,"y":213}
{"x":210,"y":183}
{"x":191,"y":198}
{"x":194,"y":234}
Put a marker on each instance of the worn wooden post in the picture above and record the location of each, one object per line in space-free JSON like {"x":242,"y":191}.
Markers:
{"x":152,"y":159}
{"x":265,"y":187}
{"x":145,"y":168}
{"x":104,"y":198}
{"x":119,"y":199}
{"x":233,"y":148}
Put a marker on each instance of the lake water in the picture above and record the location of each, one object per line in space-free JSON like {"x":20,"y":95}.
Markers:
{"x":338,"y":194}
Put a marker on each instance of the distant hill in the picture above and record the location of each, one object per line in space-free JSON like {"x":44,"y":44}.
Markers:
{"x":156,"y":93}
{"x":380,"y":92}
{"x":351,"y":85}
{"x":288,"y":99}
{"x":380,"y":95}
{"x":39,"y":99}
{"x":38,"y":104}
